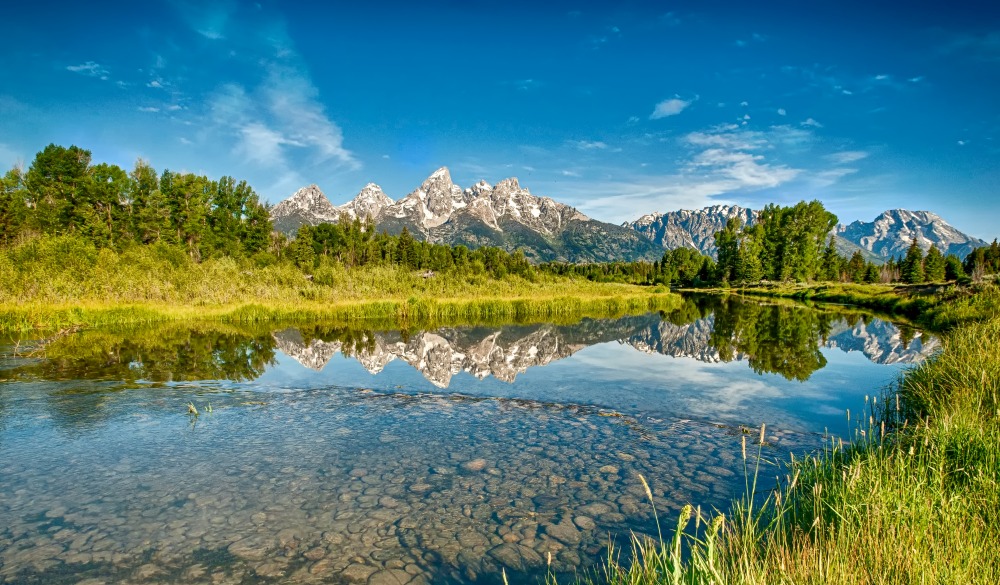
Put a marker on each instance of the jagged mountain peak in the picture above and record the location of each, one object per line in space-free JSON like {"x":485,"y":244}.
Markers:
{"x":308,"y":205}
{"x":310,"y":194}
{"x":689,"y":228}
{"x":371,"y":201}
{"x":510,"y":184}
{"x":892,"y":232}
{"x":440,"y":178}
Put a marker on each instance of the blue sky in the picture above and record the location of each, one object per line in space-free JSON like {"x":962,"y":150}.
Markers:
{"x":619,"y":110}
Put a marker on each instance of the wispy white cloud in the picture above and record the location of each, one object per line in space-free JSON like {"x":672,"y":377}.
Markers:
{"x":278,"y":121}
{"x":828,"y":177}
{"x":294,"y":104}
{"x":669,"y":107}
{"x":748,"y":171}
{"x":151,"y":109}
{"x":812,"y":123}
{"x":208,"y":19}
{"x":588,"y":144}
{"x":725,"y":162}
{"x":782,"y":112}
{"x":527,"y":84}
{"x":90,"y":69}
{"x":846,"y":156}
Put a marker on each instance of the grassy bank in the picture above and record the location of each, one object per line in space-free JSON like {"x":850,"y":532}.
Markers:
{"x":57,"y":283}
{"x":938,"y":307}
{"x":913,"y":499}
{"x":412,"y":311}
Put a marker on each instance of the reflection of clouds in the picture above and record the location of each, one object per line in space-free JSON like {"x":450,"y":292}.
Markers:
{"x":707,"y":390}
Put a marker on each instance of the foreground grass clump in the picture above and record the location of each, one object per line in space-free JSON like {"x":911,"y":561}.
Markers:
{"x":51,"y":283}
{"x":914,"y":499}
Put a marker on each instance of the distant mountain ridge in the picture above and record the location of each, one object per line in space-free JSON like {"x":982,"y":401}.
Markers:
{"x":505,"y":215}
{"x":889,"y":235}
{"x":508,"y":216}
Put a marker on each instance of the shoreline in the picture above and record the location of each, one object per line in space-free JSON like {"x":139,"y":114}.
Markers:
{"x":414,"y":310}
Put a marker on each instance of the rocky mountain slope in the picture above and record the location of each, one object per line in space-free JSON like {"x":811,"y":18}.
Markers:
{"x":506,"y":215}
{"x":892,"y":232}
{"x":690,"y":228}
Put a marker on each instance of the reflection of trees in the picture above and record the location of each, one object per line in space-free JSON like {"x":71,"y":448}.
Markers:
{"x":353,"y":342}
{"x":776,"y":339}
{"x":157,"y":354}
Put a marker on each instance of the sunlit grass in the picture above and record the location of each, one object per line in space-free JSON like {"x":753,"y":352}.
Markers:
{"x":912,"y":499}
{"x":58,"y":282}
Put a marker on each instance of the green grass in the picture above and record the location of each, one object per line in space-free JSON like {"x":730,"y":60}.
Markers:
{"x":913,"y":499}
{"x":53,"y":283}
{"x":936,"y":306}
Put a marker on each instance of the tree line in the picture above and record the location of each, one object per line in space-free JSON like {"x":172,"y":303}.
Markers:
{"x":788,"y":244}
{"x":62,"y":193}
{"x":354,"y":243}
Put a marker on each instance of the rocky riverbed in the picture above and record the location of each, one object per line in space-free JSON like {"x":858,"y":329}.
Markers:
{"x":337,"y":485}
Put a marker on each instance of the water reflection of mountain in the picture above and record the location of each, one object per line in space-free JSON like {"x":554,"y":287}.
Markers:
{"x":771,"y":338}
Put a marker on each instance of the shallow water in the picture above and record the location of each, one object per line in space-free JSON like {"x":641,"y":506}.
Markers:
{"x":329,"y":455}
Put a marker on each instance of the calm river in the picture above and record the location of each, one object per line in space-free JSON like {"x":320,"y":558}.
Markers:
{"x":330,"y":455}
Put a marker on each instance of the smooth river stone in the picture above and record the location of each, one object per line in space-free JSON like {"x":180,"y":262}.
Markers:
{"x":474,"y":465}
{"x":390,"y":577}
{"x":357,"y":573}
{"x":515,"y":556}
{"x":564,"y":531}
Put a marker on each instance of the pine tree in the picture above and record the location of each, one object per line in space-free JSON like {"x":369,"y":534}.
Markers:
{"x":934,"y":265}
{"x":55,"y":181}
{"x":727,"y":243}
{"x":912,"y":267}
{"x":830,"y":264}
{"x":405,"y":253}
{"x":301,"y":251}
{"x":856,"y":267}
{"x":13,"y":211}
{"x":953,"y":268}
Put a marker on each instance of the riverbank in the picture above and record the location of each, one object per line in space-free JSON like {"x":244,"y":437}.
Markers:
{"x":912,"y":499}
{"x":935,"y":306}
{"x":56,"y":283}
{"x":398,"y":312}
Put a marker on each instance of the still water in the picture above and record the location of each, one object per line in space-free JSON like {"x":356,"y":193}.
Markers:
{"x":332,"y":455}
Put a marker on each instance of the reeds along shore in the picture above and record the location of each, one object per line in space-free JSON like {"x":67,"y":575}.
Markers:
{"x":52,"y":284}
{"x":912,"y":499}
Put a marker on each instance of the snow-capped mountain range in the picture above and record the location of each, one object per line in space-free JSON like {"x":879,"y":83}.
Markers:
{"x":507,"y":215}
